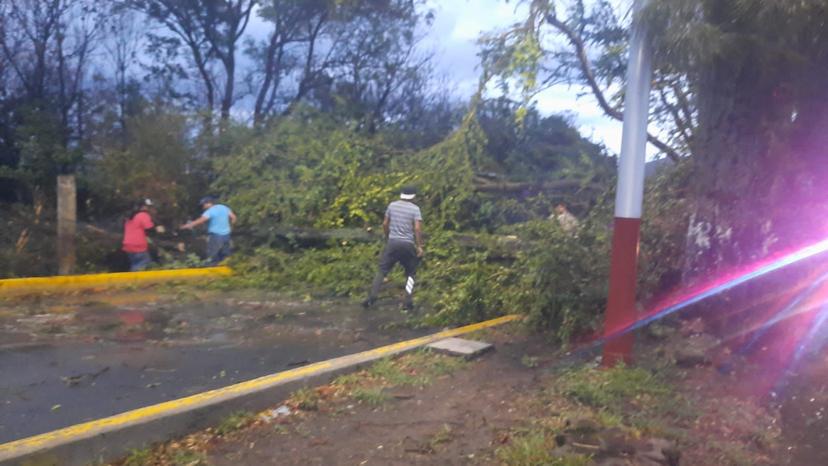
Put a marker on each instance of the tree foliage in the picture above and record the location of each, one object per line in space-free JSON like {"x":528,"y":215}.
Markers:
{"x":45,"y":49}
{"x":157,"y":162}
{"x":756,"y":69}
{"x":572,"y":42}
{"x":309,"y":171}
{"x":737,"y":89}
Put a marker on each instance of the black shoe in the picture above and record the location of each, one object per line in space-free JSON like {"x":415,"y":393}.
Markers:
{"x":368,"y":303}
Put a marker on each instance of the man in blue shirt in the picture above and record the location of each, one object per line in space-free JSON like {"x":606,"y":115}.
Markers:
{"x":219,"y":219}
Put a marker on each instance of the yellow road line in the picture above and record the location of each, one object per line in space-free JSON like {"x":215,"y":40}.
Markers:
{"x":81,"y":281}
{"x":91,"y":428}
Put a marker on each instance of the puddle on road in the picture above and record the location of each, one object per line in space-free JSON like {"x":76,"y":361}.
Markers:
{"x":98,"y":359}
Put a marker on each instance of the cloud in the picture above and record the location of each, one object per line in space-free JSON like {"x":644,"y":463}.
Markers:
{"x":588,"y":116}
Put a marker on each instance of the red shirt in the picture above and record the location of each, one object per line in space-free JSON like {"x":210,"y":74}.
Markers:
{"x":135,"y":235}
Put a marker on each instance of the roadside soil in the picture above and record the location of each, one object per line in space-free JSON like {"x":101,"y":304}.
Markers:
{"x":483,"y":412}
{"x":455,"y":420}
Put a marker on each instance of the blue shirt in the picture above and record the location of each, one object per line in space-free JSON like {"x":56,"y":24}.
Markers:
{"x":219,"y":219}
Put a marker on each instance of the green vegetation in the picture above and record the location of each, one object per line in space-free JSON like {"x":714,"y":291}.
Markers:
{"x":529,"y":361}
{"x":305,"y":399}
{"x":534,"y":449}
{"x":444,"y":435}
{"x":757,"y":65}
{"x":370,"y":396}
{"x":416,"y":369}
{"x":234,"y":422}
{"x":609,"y":389}
{"x":632,"y":396}
{"x":138,"y":457}
{"x":188,"y":458}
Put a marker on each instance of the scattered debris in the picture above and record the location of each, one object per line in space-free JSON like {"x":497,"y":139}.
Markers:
{"x":155,"y":369}
{"x":75,"y":380}
{"x":273,"y":414}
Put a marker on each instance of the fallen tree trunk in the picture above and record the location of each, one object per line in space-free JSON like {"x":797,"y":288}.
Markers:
{"x":485,"y":185}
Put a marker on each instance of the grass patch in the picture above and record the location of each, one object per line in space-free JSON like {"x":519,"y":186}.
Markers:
{"x":623,"y":390}
{"x":305,"y":399}
{"x":347,"y":380}
{"x":530,"y":362}
{"x":370,"y":396}
{"x":612,"y":388}
{"x":444,"y":435}
{"x":234,"y":422}
{"x":138,"y":457}
{"x":416,"y":369}
{"x":392,"y":372}
{"x":439,"y":365}
{"x":188,"y":458}
{"x":534,"y":449}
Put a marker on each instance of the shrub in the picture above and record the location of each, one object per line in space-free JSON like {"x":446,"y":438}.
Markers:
{"x":563,"y":277}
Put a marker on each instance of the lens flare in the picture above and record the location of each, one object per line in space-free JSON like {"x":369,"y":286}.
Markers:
{"x":794,"y":307}
{"x":716,"y":287}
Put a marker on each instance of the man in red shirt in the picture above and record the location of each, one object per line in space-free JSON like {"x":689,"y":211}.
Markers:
{"x":135,"y":236}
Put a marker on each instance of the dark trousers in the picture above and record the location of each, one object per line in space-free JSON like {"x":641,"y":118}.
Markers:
{"x":218,"y":248}
{"x":405,"y":254}
{"x":138,"y":260}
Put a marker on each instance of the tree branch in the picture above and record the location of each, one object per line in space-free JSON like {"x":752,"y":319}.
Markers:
{"x":592,"y":82}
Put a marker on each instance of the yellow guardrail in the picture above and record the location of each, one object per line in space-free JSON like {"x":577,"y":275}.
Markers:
{"x":67,"y":282}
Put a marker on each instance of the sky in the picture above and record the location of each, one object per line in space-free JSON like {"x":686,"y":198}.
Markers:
{"x":453,"y":36}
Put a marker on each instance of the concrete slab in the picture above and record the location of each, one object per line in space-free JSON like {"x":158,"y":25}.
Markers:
{"x":461,"y":347}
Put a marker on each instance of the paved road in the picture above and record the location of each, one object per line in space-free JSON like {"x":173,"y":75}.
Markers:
{"x":96,"y":359}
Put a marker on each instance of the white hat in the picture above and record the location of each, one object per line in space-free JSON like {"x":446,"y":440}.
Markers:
{"x":408,"y":193}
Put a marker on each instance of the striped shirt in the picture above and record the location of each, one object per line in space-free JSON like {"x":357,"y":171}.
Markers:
{"x":401,"y":216}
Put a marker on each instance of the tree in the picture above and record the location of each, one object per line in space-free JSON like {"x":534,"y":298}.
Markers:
{"x":757,"y":70}
{"x":358,"y":59}
{"x":379,"y":58}
{"x":567,"y":42}
{"x":123,"y":48}
{"x":738,"y":88}
{"x":211,"y":32}
{"x":157,"y":161}
{"x":45,"y":48}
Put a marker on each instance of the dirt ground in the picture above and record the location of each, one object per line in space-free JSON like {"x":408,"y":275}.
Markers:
{"x":482,"y":413}
{"x":454,"y":421}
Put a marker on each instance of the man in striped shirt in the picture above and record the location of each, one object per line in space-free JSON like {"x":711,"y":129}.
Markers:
{"x":403,"y":226}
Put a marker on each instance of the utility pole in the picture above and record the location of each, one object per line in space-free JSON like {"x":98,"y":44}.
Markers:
{"x":621,"y":310}
{"x":67,"y":207}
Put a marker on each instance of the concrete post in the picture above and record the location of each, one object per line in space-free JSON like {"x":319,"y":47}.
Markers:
{"x":621,"y":310}
{"x":66,"y":225}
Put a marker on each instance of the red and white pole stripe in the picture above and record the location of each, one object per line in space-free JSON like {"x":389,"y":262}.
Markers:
{"x":621,"y":309}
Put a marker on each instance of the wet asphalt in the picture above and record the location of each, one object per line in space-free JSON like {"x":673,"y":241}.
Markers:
{"x":96,"y":359}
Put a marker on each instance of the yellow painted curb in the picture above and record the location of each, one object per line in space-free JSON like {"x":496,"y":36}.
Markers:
{"x":24,"y":285}
{"x":30,"y":445}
